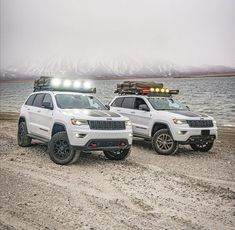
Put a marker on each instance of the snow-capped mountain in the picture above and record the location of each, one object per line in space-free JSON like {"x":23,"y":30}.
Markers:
{"x":97,"y":67}
{"x":92,"y":67}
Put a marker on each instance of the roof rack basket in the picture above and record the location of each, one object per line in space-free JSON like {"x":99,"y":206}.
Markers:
{"x":136,"y":87}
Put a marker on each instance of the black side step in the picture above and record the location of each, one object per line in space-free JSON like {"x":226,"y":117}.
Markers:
{"x":43,"y":139}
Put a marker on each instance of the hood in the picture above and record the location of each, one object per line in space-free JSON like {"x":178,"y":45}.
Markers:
{"x":187,"y":113}
{"x":88,"y":113}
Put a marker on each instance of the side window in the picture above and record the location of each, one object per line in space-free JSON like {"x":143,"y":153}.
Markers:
{"x":138,"y":102}
{"x":118,"y":102}
{"x":128,"y":102}
{"x":30,"y":100}
{"x":48,"y":98}
{"x":38,"y":100}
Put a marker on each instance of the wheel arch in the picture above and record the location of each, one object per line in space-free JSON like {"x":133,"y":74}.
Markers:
{"x":58,"y":127}
{"x":158,"y":126}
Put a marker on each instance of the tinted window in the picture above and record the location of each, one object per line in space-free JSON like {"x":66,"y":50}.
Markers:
{"x":128,"y":102}
{"x":30,"y":100}
{"x":138,"y":102}
{"x":48,"y":98}
{"x":118,"y":102}
{"x":38,"y":100}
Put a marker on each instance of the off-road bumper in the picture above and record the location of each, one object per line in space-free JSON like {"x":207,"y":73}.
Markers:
{"x":104,"y":144}
{"x":102,"y":139}
{"x":192,"y":135}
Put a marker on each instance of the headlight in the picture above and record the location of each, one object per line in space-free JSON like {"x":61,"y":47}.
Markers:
{"x":179,"y":122}
{"x":79,"y":122}
{"x":128,"y":123}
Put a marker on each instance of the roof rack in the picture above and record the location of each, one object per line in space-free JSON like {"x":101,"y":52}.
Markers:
{"x":45,"y":83}
{"x":144,"y":88}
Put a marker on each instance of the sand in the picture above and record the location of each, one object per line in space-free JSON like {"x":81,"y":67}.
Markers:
{"x":189,"y":190}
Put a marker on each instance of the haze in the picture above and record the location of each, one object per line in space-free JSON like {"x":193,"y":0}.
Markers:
{"x":184,"y":32}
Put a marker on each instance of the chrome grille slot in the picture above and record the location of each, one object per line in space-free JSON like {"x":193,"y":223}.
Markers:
{"x":200,"y":123}
{"x":107,"y":125}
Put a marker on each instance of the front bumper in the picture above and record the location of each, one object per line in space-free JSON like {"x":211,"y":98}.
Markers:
{"x":81,"y":137}
{"x":199,"y":139}
{"x":104,"y":144}
{"x":183,"y":134}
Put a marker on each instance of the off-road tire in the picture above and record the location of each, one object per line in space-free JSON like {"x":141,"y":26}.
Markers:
{"x":204,"y":147}
{"x":118,"y":155}
{"x":163,"y":142}
{"x":60,"y":150}
{"x":22,"y":135}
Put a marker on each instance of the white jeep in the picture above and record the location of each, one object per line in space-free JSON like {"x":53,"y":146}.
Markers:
{"x":155,"y":115}
{"x":72,"y":122}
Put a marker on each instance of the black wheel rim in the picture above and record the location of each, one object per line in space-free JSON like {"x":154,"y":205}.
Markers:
{"x":62,"y":149}
{"x":21,"y":132}
{"x":164,"y":142}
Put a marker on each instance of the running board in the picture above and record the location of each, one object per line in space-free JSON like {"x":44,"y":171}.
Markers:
{"x":38,"y":138}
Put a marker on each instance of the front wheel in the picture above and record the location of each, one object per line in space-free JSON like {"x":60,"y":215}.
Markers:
{"x":60,"y":150}
{"x":118,"y":154}
{"x":163,"y":142}
{"x":203,"y":147}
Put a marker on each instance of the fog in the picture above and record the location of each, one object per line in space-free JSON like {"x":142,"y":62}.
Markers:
{"x":184,"y":32}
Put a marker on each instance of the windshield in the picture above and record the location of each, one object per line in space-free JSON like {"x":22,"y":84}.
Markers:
{"x":75,"y":101}
{"x":166,"y":104}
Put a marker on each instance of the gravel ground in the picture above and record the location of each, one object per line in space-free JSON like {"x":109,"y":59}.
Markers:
{"x":189,"y":190}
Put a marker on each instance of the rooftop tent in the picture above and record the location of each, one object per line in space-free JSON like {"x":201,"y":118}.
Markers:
{"x":140,"y":87}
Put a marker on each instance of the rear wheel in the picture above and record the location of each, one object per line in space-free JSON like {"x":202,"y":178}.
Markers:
{"x":118,"y":154}
{"x":203,"y":147}
{"x":60,"y":150}
{"x":22,"y":136}
{"x":163,"y":142}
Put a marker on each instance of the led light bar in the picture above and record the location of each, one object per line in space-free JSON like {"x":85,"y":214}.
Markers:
{"x":63,"y":84}
{"x":137,"y":87}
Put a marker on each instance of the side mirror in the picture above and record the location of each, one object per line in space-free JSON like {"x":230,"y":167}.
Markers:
{"x":187,"y":107}
{"x":47,"y":105}
{"x":107,"y":106}
{"x":144,"y":107}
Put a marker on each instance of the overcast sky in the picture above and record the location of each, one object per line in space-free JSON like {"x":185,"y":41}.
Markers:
{"x":185,"y":32}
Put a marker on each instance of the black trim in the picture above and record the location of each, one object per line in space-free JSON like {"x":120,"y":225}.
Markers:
{"x":43,"y":139}
{"x":198,"y":139}
{"x":102,"y":145}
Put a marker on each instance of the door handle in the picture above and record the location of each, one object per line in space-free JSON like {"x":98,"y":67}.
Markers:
{"x":118,"y":110}
{"x":132,"y":112}
{"x":39,"y":111}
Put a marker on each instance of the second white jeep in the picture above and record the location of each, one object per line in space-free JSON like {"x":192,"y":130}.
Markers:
{"x":157,"y":116}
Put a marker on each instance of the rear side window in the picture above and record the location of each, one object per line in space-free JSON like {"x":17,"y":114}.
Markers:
{"x":38,"y":100}
{"x":30,"y":100}
{"x":118,"y":102}
{"x":128,"y":103}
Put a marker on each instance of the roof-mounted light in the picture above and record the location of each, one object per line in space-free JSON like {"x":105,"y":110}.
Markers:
{"x":61,"y":84}
{"x":138,"y":87}
{"x":56,"y":82}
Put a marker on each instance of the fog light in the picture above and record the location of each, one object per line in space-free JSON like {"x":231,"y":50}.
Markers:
{"x":181,"y":132}
{"x":80,"y":135}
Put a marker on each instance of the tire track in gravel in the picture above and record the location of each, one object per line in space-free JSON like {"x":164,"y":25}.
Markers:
{"x":100,"y":194}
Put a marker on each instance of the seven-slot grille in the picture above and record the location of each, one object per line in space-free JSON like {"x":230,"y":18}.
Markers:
{"x":200,"y":123}
{"x":107,"y":125}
